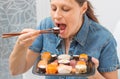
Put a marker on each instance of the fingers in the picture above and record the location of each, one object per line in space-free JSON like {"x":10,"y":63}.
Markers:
{"x":95,"y":61}
{"x":27,"y":30}
{"x":28,"y":37}
{"x":27,"y":42}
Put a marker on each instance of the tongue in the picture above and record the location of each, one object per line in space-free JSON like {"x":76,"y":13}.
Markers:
{"x":62,"y":26}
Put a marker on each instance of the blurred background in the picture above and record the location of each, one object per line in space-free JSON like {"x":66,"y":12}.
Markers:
{"x":16,"y":15}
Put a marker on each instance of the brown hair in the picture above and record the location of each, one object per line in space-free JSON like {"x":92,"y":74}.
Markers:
{"x":89,"y":12}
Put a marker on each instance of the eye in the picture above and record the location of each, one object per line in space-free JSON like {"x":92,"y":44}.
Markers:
{"x":53,"y":8}
{"x":66,"y":9}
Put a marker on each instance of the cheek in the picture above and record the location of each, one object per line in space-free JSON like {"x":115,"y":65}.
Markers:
{"x":74,"y":24}
{"x":51,"y":13}
{"x":73,"y":21}
{"x":74,"y":17}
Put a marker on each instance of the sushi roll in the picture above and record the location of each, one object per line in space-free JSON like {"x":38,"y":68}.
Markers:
{"x":75,"y":57}
{"x":64,"y":69}
{"x":83,"y":57}
{"x":64,"y":56}
{"x":46,"y":56}
{"x":53,"y":58}
{"x":81,"y":67}
{"x":73,"y":63}
{"x":64,"y":61}
{"x":51,"y":68}
{"x":42,"y":66}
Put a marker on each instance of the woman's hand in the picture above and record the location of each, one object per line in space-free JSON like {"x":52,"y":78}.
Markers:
{"x":96,"y":62}
{"x":28,"y":36}
{"x":18,"y":61}
{"x":97,"y":75}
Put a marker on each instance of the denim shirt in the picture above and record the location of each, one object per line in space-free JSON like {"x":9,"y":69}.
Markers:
{"x":92,"y":39}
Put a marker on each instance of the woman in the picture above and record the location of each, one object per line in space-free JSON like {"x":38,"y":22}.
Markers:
{"x":79,"y":31}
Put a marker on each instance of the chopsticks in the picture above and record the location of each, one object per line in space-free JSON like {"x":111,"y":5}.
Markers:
{"x":53,"y":30}
{"x":7,"y":35}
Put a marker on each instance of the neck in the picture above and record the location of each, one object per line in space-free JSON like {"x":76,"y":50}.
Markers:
{"x":67,"y":45}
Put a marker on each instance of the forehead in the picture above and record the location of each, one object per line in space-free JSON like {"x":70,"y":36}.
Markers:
{"x":64,"y":2}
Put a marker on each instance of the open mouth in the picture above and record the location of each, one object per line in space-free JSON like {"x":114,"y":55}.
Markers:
{"x":61,"y":26}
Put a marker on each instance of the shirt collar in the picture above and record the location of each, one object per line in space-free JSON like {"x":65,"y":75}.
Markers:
{"x":81,"y":36}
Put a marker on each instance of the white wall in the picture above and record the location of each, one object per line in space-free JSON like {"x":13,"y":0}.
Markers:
{"x":108,"y":12}
{"x":43,"y":9}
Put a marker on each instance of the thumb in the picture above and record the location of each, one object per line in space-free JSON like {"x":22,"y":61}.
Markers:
{"x":95,"y":61}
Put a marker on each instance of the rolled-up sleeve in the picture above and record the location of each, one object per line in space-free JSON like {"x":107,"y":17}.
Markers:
{"x":37,"y":45}
{"x":109,"y":60}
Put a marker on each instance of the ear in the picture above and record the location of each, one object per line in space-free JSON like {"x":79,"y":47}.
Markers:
{"x":84,"y":7}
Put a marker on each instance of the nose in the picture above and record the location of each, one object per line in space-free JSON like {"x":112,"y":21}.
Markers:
{"x":57,"y":15}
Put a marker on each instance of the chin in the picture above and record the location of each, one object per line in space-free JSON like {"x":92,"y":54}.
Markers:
{"x":63,"y":36}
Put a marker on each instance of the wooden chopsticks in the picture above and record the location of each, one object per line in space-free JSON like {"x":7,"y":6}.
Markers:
{"x":7,"y":35}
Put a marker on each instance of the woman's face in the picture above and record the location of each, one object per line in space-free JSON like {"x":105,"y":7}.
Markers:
{"x":67,"y":15}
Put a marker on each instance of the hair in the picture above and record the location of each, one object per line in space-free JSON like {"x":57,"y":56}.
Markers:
{"x":89,"y":12}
